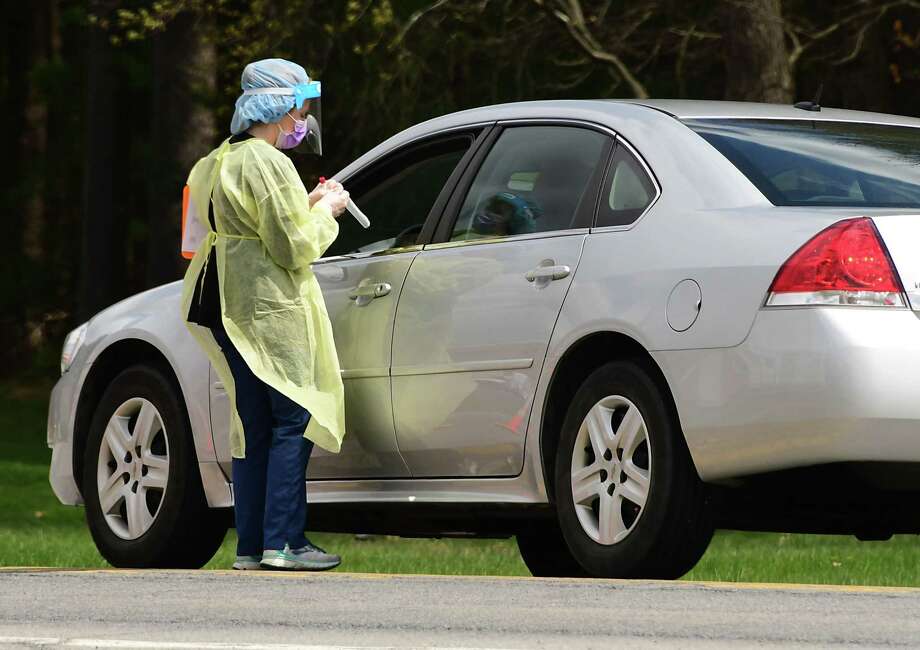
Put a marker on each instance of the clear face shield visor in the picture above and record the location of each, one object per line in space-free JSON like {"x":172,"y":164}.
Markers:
{"x":313,"y":141}
{"x":308,"y":94}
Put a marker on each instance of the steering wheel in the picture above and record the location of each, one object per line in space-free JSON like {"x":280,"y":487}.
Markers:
{"x":408,"y":237}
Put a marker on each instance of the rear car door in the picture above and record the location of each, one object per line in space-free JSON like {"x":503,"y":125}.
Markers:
{"x":480,"y":302}
{"x":361,"y":277}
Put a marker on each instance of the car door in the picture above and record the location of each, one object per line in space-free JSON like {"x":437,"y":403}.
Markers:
{"x":480,"y":302}
{"x":361,"y":276}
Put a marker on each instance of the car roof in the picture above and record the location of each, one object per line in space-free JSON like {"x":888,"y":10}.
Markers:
{"x":682,"y":109}
{"x":679,"y":108}
{"x":652,"y":126}
{"x":686,"y":109}
{"x":613,"y":112}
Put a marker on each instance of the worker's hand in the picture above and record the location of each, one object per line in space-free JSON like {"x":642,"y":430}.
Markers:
{"x":335,"y":201}
{"x":322,"y":189}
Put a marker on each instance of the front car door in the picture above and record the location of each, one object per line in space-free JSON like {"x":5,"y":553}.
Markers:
{"x":361,"y":276}
{"x":479,"y":304}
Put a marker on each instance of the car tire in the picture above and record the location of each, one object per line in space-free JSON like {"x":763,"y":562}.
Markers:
{"x":140,"y":461}
{"x":546,"y":554}
{"x":637,"y":508}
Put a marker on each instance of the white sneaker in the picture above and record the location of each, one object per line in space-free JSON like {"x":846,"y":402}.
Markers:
{"x":247,"y":562}
{"x":307,"y":558}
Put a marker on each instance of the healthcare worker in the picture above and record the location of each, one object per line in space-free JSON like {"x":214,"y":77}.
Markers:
{"x":251,"y":301}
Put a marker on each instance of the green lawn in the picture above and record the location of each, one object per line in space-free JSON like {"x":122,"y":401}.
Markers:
{"x":35,"y":530}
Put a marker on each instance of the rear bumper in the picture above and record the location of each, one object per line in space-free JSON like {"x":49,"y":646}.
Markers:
{"x":61,"y":413}
{"x":807,"y":387}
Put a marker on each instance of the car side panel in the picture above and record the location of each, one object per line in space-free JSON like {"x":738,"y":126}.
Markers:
{"x":152,"y":317}
{"x":470,"y":339}
{"x":364,"y":336}
{"x":626,"y":277}
{"x":808,"y":386}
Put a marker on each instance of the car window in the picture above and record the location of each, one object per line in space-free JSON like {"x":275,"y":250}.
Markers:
{"x":533,"y":180}
{"x":814,"y":162}
{"x":397,"y":194}
{"x":628,"y":190}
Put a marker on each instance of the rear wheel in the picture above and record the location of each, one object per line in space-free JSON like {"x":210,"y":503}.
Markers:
{"x":546,"y":554}
{"x":144,"y":502}
{"x":629,"y":501}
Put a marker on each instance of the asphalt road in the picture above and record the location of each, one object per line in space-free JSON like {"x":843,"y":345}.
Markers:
{"x":254,"y":610}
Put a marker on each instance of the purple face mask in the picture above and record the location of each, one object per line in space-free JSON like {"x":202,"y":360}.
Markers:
{"x":289,"y":140}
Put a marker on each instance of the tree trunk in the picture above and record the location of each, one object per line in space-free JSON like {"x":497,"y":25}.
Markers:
{"x":183,"y":130}
{"x":35,"y":136}
{"x":15,"y":36}
{"x":756,"y":63}
{"x":99,"y":244}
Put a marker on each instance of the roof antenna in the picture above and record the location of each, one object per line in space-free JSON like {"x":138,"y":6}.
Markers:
{"x":812,"y":106}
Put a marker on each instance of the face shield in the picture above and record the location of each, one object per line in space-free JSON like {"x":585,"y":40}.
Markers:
{"x":313,"y":141}
{"x":309,"y":93}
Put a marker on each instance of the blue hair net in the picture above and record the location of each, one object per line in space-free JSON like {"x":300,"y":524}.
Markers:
{"x":267,"y":73}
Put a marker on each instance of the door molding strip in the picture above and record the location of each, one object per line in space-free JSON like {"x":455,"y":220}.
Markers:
{"x":365,"y":373}
{"x":467,"y":366}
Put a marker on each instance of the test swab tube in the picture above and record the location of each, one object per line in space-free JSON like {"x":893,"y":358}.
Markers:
{"x":355,"y":211}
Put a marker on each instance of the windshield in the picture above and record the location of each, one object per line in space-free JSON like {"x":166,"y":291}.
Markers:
{"x":806,"y":162}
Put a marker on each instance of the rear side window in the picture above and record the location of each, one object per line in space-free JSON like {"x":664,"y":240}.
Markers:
{"x":627,"y":192}
{"x":806,"y":162}
{"x":534,"y":179}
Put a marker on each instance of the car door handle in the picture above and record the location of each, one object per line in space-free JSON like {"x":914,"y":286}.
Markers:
{"x":367,"y":292}
{"x":548,"y":273}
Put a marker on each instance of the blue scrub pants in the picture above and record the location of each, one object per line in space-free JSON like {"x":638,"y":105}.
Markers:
{"x":269,"y":486}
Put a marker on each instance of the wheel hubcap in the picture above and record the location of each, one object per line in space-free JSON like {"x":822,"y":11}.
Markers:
{"x":133,"y":468}
{"x":611,"y":470}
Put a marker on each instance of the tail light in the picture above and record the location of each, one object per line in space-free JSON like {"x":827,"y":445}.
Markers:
{"x":845,"y":264}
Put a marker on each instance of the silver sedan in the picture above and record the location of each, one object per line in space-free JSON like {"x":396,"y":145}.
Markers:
{"x":605,"y":328}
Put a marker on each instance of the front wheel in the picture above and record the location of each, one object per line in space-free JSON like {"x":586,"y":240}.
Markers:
{"x":629,"y":501}
{"x":145,"y":505}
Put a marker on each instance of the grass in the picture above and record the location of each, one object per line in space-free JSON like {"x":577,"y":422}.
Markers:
{"x":35,"y":530}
